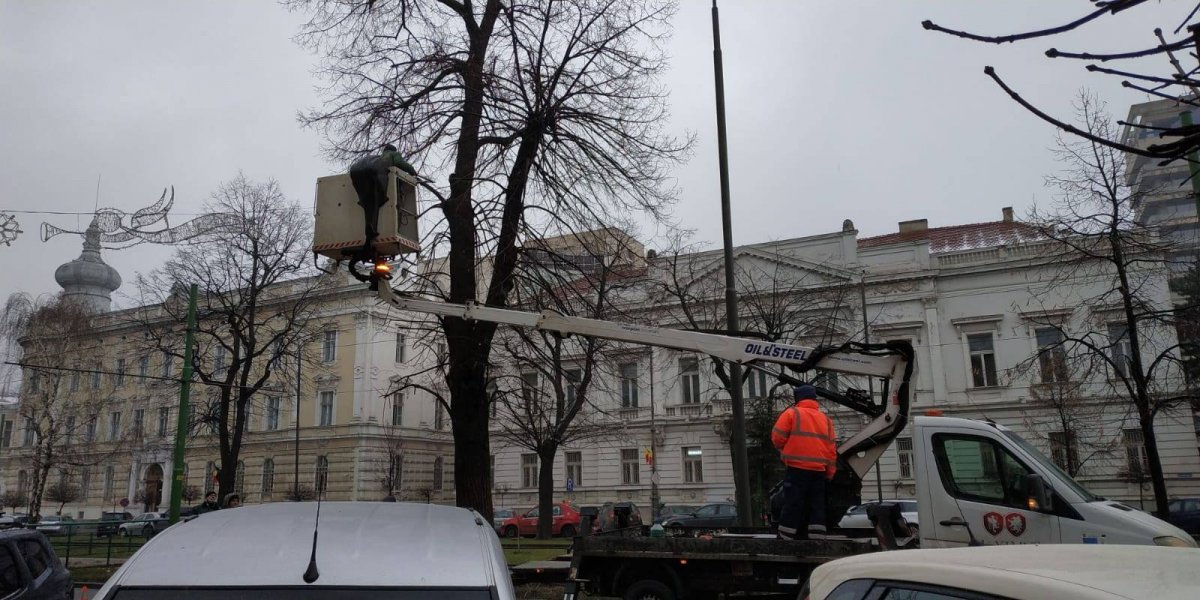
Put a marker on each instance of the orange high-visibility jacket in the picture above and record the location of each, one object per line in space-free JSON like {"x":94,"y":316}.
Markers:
{"x":805,"y":439}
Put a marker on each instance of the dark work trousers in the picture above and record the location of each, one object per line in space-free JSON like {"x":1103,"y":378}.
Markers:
{"x":803,"y":504}
{"x":369,"y":176}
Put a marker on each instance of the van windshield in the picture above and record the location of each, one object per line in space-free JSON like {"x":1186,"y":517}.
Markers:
{"x":306,"y":592}
{"x":1048,"y":464}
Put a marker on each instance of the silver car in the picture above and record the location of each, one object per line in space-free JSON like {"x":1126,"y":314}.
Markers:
{"x":856,"y":517}
{"x":362,"y":550}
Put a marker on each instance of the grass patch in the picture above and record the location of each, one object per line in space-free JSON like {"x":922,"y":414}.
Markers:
{"x":93,"y":574}
{"x":524,"y":555}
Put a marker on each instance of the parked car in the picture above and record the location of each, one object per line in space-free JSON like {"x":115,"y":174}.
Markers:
{"x":1185,"y":514}
{"x":57,"y":525}
{"x":719,"y":514}
{"x":667,"y":511}
{"x":608,"y":519}
{"x":110,"y":522}
{"x":146,"y":524}
{"x":499,"y":516}
{"x":1076,"y":571}
{"x":366,"y":550}
{"x":565,"y":522}
{"x":856,"y":516}
{"x":14,"y":520}
{"x":29,"y":569}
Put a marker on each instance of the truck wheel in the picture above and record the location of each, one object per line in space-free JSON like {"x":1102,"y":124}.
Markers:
{"x":510,"y":532}
{"x":568,"y":531}
{"x":648,"y":589}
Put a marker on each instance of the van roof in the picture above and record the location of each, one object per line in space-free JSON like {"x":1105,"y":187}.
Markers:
{"x":1033,"y":571}
{"x":359,"y":544}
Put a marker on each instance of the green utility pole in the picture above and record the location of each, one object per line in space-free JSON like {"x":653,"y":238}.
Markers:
{"x":181,"y":429}
{"x":1193,"y":162}
{"x":737,"y":438}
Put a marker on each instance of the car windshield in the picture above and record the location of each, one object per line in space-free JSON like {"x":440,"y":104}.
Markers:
{"x":1048,"y":464}
{"x":307,"y":593}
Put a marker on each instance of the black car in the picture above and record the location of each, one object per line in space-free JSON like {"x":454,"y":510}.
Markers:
{"x":29,"y":570}
{"x":110,"y":522}
{"x":1185,"y":514}
{"x":667,"y":511}
{"x":721,"y":514}
{"x":617,"y":515}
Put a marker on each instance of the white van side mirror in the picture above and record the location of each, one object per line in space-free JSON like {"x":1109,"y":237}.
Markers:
{"x":1038,"y":493}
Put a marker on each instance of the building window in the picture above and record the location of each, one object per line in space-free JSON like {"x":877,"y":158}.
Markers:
{"x":1052,"y":356}
{"x":630,"y":473}
{"x":210,"y":476}
{"x":6,"y":429}
{"x":325,"y":414}
{"x":629,"y":385}
{"x":114,"y":425}
{"x":756,"y":384}
{"x":397,"y":409}
{"x":74,"y":385}
{"x":439,"y":415}
{"x":904,"y":457}
{"x":400,"y":343}
{"x":139,"y":421}
{"x":90,"y":431}
{"x":119,"y":377}
{"x":529,"y":470}
{"x":322,"y":475}
{"x":34,"y":382}
{"x":70,"y":430}
{"x":689,"y":373}
{"x":143,"y":369}
{"x":395,"y":472}
{"x":1122,"y":349}
{"x":571,"y":379}
{"x":439,"y":473}
{"x":329,"y":346}
{"x":983,"y":359}
{"x":268,"y":478}
{"x":219,"y":361}
{"x":166,"y":364}
{"x":1064,"y":451}
{"x":529,"y":388}
{"x":693,"y":468}
{"x":85,"y":483}
{"x":239,"y":480}
{"x":1135,"y":452}
{"x":110,"y":477}
{"x":575,"y":468}
{"x":23,"y":482}
{"x":96,"y":376}
{"x":30,"y":432}
{"x":164,"y":420}
{"x":441,"y":353}
{"x":829,"y":380}
{"x":273,"y":407}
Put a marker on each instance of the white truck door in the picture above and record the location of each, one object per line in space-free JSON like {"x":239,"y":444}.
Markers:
{"x":976,"y":489}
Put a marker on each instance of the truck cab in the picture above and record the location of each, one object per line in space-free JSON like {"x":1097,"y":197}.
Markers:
{"x":979,"y":483}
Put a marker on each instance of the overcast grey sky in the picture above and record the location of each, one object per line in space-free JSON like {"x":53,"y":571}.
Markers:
{"x":837,"y":109}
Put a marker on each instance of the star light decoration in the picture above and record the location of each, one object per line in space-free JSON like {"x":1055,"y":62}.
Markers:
{"x":9,"y":229}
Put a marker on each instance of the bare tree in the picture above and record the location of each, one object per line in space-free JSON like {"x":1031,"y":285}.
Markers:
{"x":1123,"y":329}
{"x":63,"y":492}
{"x":1076,"y":426}
{"x":14,"y":499}
{"x":1167,"y":78}
{"x":59,"y":403}
{"x":556,"y":378}
{"x":525,"y":107}
{"x":191,"y":493}
{"x":257,"y":296}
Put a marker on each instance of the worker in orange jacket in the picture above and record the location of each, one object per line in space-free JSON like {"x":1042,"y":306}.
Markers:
{"x":805,"y":439}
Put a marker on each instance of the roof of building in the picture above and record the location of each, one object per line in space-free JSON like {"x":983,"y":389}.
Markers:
{"x":359,"y":544}
{"x":1031,"y":571}
{"x":961,"y":237}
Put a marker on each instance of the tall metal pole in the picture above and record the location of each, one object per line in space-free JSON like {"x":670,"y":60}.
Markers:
{"x":181,"y":423}
{"x":862,"y":291}
{"x":654,"y":478}
{"x":296,"y":463}
{"x":737,"y":442}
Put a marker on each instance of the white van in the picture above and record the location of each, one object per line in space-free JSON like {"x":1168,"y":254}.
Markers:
{"x":980,"y":483}
{"x":363,"y":550}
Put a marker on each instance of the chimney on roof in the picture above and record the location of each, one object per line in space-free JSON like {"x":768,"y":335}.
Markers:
{"x":651,"y":254}
{"x":915,"y":226}
{"x":1007,"y":212}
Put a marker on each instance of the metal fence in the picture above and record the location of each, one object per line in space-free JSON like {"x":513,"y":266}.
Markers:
{"x":94,"y":543}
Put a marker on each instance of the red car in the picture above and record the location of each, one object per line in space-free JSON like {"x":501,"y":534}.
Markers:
{"x":565,"y":523}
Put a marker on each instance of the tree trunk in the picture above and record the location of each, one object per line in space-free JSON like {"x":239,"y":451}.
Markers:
{"x":37,"y":487}
{"x":545,"y":526}
{"x":472,"y":452}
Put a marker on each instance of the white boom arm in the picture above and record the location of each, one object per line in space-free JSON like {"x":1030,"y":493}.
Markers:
{"x":860,"y":451}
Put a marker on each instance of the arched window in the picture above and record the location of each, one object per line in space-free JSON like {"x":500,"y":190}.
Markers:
{"x":22,"y":482}
{"x":268,"y":478}
{"x":210,"y":470}
{"x":438,"y":469}
{"x":239,"y":480}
